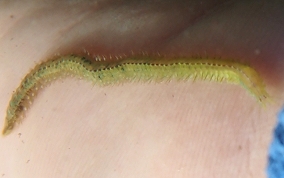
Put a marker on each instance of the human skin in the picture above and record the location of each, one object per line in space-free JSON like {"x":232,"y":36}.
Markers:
{"x":172,"y":129}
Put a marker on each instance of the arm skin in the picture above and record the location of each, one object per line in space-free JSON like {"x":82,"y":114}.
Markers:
{"x":176,"y":129}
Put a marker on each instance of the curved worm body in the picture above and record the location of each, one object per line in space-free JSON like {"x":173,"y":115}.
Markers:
{"x":131,"y":69}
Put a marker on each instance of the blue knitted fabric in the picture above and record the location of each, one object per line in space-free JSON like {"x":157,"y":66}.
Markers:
{"x":275,"y":167}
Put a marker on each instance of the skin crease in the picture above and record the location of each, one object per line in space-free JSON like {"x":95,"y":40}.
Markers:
{"x":176,"y":129}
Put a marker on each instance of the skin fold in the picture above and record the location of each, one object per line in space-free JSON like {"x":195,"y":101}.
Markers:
{"x":170,"y":129}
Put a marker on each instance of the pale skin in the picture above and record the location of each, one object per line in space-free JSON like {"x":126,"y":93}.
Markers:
{"x":175,"y":129}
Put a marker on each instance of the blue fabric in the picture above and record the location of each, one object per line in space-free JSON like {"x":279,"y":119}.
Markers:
{"x":275,"y":167}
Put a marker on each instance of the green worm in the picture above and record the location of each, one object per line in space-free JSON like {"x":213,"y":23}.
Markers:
{"x":131,"y":69}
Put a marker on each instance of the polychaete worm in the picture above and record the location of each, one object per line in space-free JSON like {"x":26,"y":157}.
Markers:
{"x":131,"y":69}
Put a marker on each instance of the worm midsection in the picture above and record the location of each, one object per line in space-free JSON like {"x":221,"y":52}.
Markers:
{"x":141,"y":69}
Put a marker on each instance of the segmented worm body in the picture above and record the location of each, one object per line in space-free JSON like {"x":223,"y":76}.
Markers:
{"x":131,"y":69}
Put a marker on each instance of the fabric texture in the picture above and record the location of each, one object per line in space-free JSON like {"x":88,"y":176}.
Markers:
{"x":275,"y":167}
